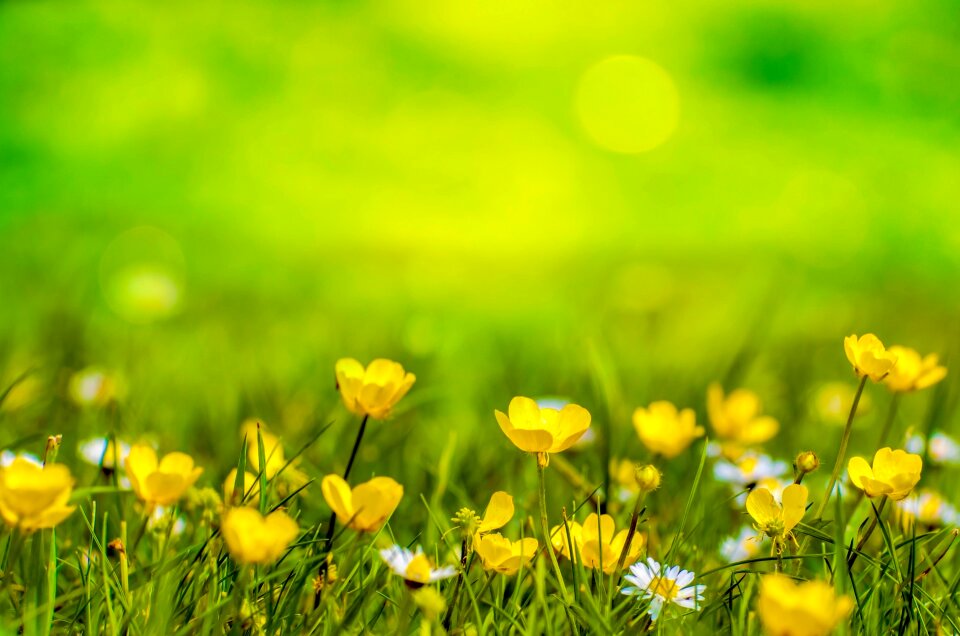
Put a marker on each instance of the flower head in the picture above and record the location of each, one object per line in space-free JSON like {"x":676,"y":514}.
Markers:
{"x":373,"y":390}
{"x":894,"y":473}
{"x":33,"y":497}
{"x":160,"y":482}
{"x":254,"y":539}
{"x":367,"y":506}
{"x":869,"y":357}
{"x":737,"y":417}
{"x":648,"y":478}
{"x":748,"y":470}
{"x":598,"y":542}
{"x":806,"y":462}
{"x":773,"y":519}
{"x":273,"y":454}
{"x":665,"y":430}
{"x":913,"y":372}
{"x":811,"y":608}
{"x":741,"y":546}
{"x":414,"y":567}
{"x":542,"y":430}
{"x":663,"y":586}
{"x":248,"y":493}
{"x":503,"y":555}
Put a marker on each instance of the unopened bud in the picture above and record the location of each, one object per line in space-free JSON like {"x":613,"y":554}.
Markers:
{"x":648,"y":478}
{"x":807,"y":462}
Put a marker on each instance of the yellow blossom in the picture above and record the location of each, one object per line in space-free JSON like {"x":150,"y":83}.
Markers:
{"x":736,"y":417}
{"x":160,"y":483}
{"x":249,"y":492}
{"x":810,"y":608}
{"x":503,"y":555}
{"x":254,"y":539}
{"x":894,"y":473}
{"x":272,"y":453}
{"x":912,"y":371}
{"x":367,"y":506}
{"x":373,"y":390}
{"x":498,"y":512}
{"x":598,"y":542}
{"x":542,"y":430}
{"x":33,"y":497}
{"x":561,"y":543}
{"x":868,"y":356}
{"x":773,"y":519}
{"x":664,"y":430}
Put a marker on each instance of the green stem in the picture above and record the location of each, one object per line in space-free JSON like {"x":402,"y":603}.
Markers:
{"x":545,"y":529}
{"x":841,"y":455}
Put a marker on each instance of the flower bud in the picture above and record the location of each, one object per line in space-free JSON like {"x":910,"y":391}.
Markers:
{"x":648,"y":478}
{"x":807,"y":462}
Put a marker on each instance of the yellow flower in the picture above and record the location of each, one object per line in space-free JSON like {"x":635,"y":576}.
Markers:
{"x":913,"y":372}
{"x":272,"y":451}
{"x":868,"y":356}
{"x":503,"y":555}
{"x":648,"y":478}
{"x":894,"y":473}
{"x":598,"y":542}
{"x":249,"y":493}
{"x":365,"y":508}
{"x":664,"y":430}
{"x":34,"y":497}
{"x":373,"y":391}
{"x":736,"y":417}
{"x":775,"y":520}
{"x":414,"y":567}
{"x":810,"y":608}
{"x":560,"y":541}
{"x":254,"y":539}
{"x":160,"y":483}
{"x":542,"y":430}
{"x":498,"y":512}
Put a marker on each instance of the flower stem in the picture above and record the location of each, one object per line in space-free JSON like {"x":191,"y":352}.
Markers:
{"x":841,"y":455}
{"x":545,"y":529}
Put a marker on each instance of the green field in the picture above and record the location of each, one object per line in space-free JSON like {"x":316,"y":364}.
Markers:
{"x":203,"y":207}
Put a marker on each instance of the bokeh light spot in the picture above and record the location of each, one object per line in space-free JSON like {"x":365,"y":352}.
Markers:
{"x":628,"y":104}
{"x":141,"y":273}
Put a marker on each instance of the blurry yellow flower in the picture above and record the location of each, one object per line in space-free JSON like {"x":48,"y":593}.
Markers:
{"x":250,"y":489}
{"x":894,"y":473}
{"x":430,"y":602}
{"x":272,"y":450}
{"x":736,"y":417}
{"x":623,"y":473}
{"x":561,"y":543}
{"x":365,"y":508}
{"x":868,"y":356}
{"x":811,"y":608}
{"x":598,"y":542}
{"x":502,"y":555}
{"x":414,"y":567}
{"x":160,"y":483}
{"x":542,"y":430}
{"x":373,"y":391}
{"x":912,"y":372}
{"x":254,"y":539}
{"x":34,"y":497}
{"x":664,"y":430}
{"x":498,"y":512}
{"x":834,"y":400}
{"x":775,"y":520}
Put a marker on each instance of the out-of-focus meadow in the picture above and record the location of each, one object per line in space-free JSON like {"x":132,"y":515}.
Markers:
{"x":612,"y":202}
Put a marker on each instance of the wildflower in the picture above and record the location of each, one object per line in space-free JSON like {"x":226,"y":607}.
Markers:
{"x":503,"y":555}
{"x":913,"y":372}
{"x":648,"y":478}
{"x":810,"y":608}
{"x":736,"y":417}
{"x":430,"y":602}
{"x":33,"y":497}
{"x":254,"y":539}
{"x":807,"y":462}
{"x":102,"y":452}
{"x":542,"y":430}
{"x":663,"y":586}
{"x":367,"y":506}
{"x":741,"y":546}
{"x":750,"y":469}
{"x":868,"y":356}
{"x":249,"y":490}
{"x":664,"y":430}
{"x":775,"y":520}
{"x":372,"y":391}
{"x":927,"y":508}
{"x":160,"y":483}
{"x":92,"y":387}
{"x":941,"y":449}
{"x":498,"y":512}
{"x":562,"y":544}
{"x":272,"y":452}
{"x":598,"y":542}
{"x":894,"y":473}
{"x":414,"y":567}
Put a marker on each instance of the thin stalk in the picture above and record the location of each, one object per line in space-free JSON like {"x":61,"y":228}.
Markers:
{"x":545,"y":529}
{"x":456,"y":590}
{"x":841,"y":455}
{"x":866,"y":535}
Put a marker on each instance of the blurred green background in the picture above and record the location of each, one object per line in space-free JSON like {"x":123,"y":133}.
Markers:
{"x":215,"y":201}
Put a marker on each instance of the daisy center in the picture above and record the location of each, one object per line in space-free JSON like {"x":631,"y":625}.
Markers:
{"x":662,"y":586}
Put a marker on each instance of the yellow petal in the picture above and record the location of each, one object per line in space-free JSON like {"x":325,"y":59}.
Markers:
{"x":794,"y":505}
{"x":499,"y":511}
{"x":337,"y":494}
{"x":524,"y":413}
{"x":762,"y":506}
{"x":858,"y":469}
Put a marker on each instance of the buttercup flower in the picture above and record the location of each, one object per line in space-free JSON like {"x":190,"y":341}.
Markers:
{"x":869,"y":357}
{"x":736,"y":417}
{"x":367,"y":506}
{"x":502,"y":555}
{"x":664,"y":430}
{"x":775,"y":520}
{"x":414,"y":567}
{"x":663,"y":586}
{"x":833,"y":402}
{"x":598,"y":542}
{"x":749,"y":469}
{"x":811,"y":608}
{"x":740,"y":547}
{"x":542,"y":430}
{"x":34,"y":497}
{"x":160,"y":483}
{"x":648,"y":478}
{"x":374,"y":390}
{"x":894,"y":473}
{"x":913,"y":372}
{"x":254,"y":539}
{"x":250,"y":489}
{"x":561,"y":543}
{"x":272,"y":452}
{"x":100,"y":451}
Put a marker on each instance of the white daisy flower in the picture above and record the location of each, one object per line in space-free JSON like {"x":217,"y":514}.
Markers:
{"x":98,"y":449}
{"x":7,"y":457}
{"x":749,"y":469}
{"x":661,"y":586}
{"x":742,"y":546}
{"x":414,"y":567}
